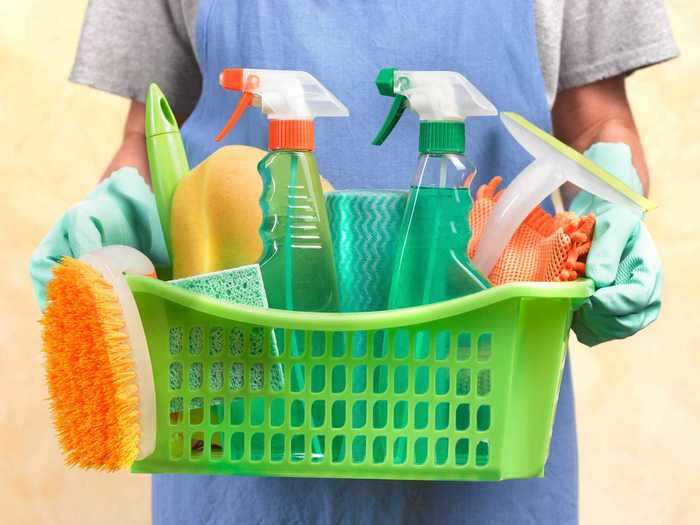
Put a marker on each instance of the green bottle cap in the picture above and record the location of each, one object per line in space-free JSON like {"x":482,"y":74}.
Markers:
{"x":441,"y":137}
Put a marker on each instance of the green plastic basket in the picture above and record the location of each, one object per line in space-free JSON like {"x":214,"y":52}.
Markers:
{"x":460,"y":390}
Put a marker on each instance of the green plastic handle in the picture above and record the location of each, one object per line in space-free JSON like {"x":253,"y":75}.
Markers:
{"x":166,"y":156}
{"x":385,"y":85}
{"x":397,"y":108}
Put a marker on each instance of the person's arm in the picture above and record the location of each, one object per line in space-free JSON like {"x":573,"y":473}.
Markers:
{"x":622,"y":263}
{"x":600,"y":44}
{"x":132,"y":150}
{"x":125,"y":46}
{"x":598,"y":112}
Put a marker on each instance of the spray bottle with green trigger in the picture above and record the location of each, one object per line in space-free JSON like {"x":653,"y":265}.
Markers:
{"x":431,"y":263}
{"x":297,"y":264}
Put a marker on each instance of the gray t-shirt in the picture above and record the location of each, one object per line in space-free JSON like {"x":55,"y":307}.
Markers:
{"x":125,"y":45}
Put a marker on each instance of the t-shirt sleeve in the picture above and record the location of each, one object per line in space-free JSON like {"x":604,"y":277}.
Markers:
{"x":602,"y":39}
{"x":125,"y":45}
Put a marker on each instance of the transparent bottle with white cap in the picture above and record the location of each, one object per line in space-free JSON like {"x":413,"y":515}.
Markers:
{"x":297,"y":264}
{"x":431,"y":263}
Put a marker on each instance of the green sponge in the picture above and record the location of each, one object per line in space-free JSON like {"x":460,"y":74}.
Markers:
{"x":243,"y":285}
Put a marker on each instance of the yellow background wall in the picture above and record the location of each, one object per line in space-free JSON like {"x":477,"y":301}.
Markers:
{"x":638,"y":401}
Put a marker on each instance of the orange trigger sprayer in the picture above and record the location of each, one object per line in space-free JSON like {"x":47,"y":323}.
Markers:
{"x":297,"y":264}
{"x":232,"y":79}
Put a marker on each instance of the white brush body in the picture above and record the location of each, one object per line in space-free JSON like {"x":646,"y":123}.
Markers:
{"x":112,"y":262}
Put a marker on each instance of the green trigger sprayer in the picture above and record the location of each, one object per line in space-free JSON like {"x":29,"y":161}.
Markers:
{"x":431,"y":263}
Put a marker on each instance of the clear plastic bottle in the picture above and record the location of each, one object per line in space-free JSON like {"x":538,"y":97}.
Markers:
{"x":431,"y":261}
{"x":297,"y":264}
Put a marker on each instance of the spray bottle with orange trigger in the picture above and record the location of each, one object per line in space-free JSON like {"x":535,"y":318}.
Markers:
{"x":297,"y":263}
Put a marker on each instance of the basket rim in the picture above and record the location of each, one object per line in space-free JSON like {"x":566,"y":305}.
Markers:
{"x":378,"y":320}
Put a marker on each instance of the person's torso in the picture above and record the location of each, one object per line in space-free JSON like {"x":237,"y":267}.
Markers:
{"x":344,"y":44}
{"x":549,"y":24}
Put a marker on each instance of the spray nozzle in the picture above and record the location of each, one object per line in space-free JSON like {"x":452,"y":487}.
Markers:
{"x":444,"y":98}
{"x":232,"y":79}
{"x":280,"y":95}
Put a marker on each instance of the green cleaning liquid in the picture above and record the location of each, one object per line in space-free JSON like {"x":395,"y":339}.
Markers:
{"x":431,"y":263}
{"x":432,"y":266}
{"x":297,"y":265}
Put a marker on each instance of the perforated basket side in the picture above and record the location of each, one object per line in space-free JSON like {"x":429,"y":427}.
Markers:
{"x":465,"y":397}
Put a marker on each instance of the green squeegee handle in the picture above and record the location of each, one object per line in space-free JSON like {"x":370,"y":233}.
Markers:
{"x":166,"y":156}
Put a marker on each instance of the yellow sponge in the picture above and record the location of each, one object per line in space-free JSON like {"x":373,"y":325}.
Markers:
{"x":216,"y":213}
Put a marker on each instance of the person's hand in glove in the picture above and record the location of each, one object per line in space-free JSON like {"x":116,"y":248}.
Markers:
{"x":623,"y":261}
{"x":120,"y":210}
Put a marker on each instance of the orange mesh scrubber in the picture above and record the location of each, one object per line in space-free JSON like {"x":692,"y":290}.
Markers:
{"x":544,"y":248}
{"x":90,"y":372}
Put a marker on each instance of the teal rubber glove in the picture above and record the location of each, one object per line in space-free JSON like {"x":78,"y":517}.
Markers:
{"x":623,"y":261}
{"x":120,"y":210}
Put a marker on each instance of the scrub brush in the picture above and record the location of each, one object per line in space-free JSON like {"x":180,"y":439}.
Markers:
{"x":97,"y":366}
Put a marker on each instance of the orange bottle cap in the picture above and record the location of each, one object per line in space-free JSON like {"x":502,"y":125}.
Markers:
{"x":297,"y":135}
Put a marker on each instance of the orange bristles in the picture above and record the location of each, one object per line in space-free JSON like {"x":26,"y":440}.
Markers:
{"x":89,"y":370}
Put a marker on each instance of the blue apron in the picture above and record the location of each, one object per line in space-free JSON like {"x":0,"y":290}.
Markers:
{"x":344,"y":44}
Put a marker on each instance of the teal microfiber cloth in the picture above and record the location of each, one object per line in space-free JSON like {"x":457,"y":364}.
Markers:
{"x":365,"y":229}
{"x":243,"y":285}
